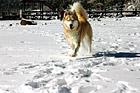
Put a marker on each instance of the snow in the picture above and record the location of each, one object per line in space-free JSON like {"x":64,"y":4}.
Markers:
{"x":35,"y":59}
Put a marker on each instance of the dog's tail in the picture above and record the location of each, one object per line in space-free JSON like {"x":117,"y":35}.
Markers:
{"x":80,"y":11}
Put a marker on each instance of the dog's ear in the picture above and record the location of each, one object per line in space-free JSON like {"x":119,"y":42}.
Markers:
{"x":74,"y":12}
{"x":66,"y":13}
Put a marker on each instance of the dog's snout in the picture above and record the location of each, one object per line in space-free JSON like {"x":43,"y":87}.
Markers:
{"x":71,"y":26}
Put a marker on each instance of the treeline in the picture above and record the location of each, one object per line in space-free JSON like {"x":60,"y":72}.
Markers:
{"x":16,"y":5}
{"x":110,"y":4}
{"x":6,"y":5}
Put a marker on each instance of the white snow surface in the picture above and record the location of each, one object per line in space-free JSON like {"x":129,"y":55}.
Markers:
{"x":35,"y":59}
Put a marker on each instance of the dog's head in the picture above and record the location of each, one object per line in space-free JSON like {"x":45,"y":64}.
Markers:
{"x":70,"y":20}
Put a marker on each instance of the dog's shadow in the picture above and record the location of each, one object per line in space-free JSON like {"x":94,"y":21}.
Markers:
{"x":114,"y":54}
{"x":117,"y":55}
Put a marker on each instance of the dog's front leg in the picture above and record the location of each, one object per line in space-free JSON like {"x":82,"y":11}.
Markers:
{"x":76,"y":49}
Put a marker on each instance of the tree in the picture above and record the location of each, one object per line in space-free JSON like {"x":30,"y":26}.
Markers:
{"x":53,"y":4}
{"x":6,"y":5}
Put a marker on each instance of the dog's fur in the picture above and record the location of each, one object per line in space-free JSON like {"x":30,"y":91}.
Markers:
{"x":77,"y":28}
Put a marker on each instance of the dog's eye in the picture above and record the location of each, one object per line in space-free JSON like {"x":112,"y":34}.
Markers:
{"x":68,"y":19}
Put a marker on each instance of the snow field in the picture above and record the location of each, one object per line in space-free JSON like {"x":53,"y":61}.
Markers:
{"x":35,"y":59}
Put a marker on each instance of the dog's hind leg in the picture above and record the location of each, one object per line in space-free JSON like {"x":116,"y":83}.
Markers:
{"x":82,"y":43}
{"x":88,"y":39}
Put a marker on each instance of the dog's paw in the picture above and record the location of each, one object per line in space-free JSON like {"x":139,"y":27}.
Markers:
{"x":73,"y":55}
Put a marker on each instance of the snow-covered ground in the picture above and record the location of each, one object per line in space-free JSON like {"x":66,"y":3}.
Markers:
{"x":35,"y":59}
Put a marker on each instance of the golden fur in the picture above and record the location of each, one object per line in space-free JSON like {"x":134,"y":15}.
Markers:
{"x":77,"y":28}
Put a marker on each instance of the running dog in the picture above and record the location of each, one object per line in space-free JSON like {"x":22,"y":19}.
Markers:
{"x":77,"y":28}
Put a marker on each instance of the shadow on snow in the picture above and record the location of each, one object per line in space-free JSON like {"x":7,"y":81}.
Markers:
{"x":114,"y":54}
{"x":117,"y":55}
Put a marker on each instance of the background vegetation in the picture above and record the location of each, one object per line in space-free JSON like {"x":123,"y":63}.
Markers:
{"x":16,"y":5}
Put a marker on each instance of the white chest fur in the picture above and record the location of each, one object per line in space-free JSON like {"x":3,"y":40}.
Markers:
{"x":73,"y":37}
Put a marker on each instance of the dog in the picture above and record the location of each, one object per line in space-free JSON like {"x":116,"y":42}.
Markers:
{"x":77,"y":28}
